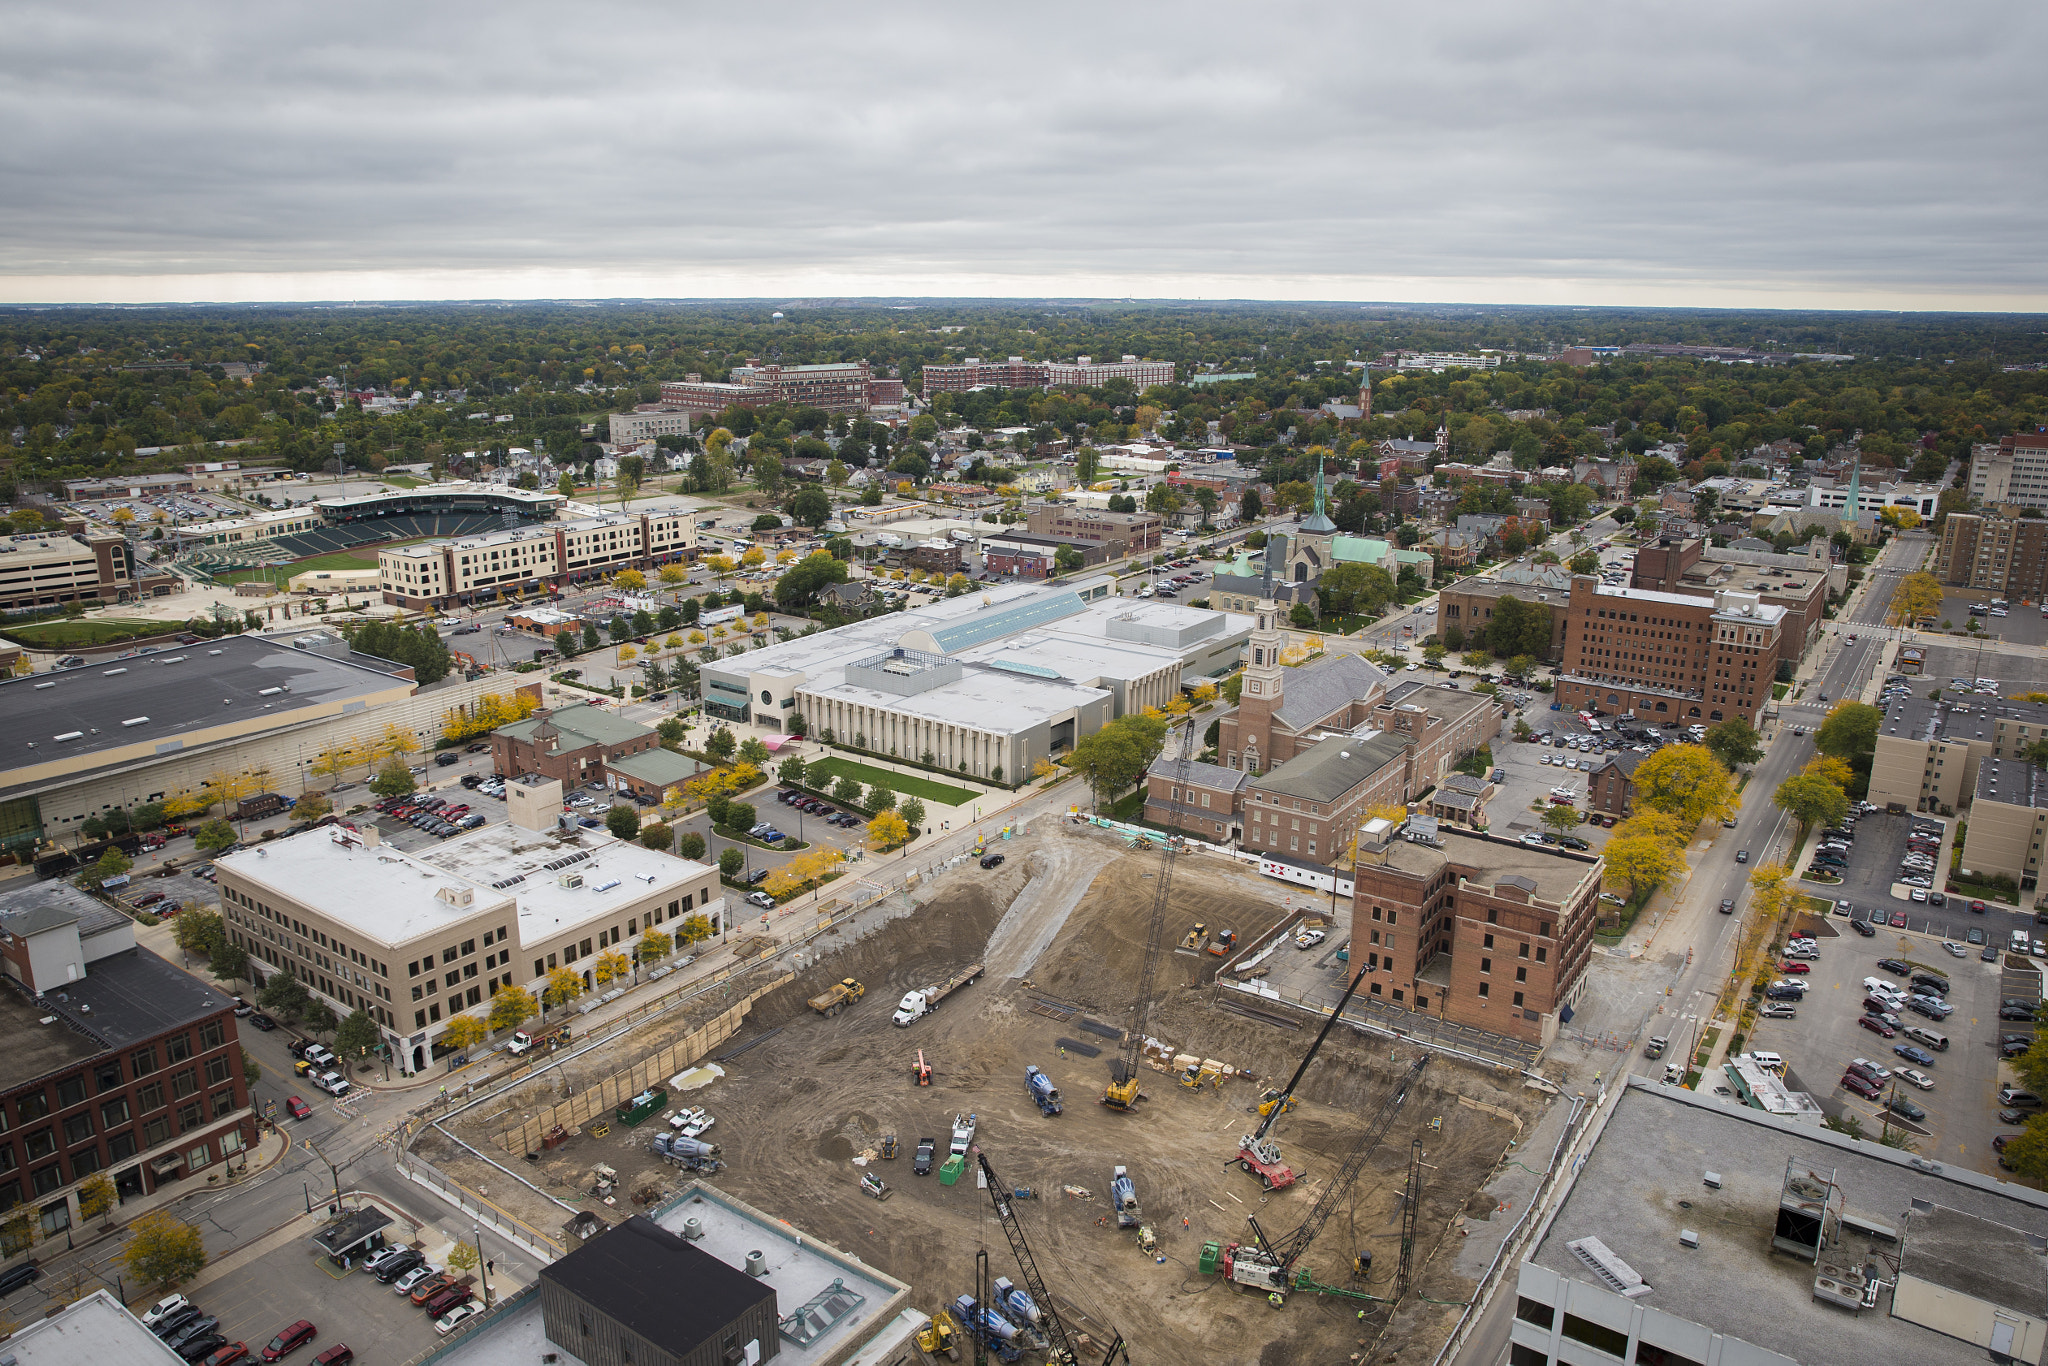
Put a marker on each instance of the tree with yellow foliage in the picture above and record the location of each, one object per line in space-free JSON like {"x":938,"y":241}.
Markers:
{"x":563,"y":986}
{"x":720,"y":565}
{"x":465,"y":1032}
{"x":785,"y":556}
{"x":1688,"y":782}
{"x":674,"y":642}
{"x":735,"y":778}
{"x":627,"y":654}
{"x":1917,"y":598}
{"x":1044,"y":768}
{"x":696,"y":637}
{"x":629,"y":581}
{"x":1646,"y":849}
{"x":805,"y":870}
{"x":396,"y":742}
{"x":755,"y":557}
{"x":612,"y":965}
{"x":673,"y":574}
{"x":887,"y":831}
{"x":1205,"y":692}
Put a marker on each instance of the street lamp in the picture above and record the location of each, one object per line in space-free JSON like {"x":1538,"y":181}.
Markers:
{"x":483,"y":1267}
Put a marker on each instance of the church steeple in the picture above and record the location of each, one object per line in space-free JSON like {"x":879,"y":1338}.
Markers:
{"x":1319,"y":523}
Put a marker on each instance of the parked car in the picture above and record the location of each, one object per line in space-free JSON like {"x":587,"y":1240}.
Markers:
{"x":406,"y":1259}
{"x":1899,"y":1105}
{"x":173,"y":1323}
{"x":229,"y":1354}
{"x":1877,"y":1026}
{"x":992,"y":861}
{"x":205,"y":1347}
{"x":447,"y":1299}
{"x":1917,"y":1078}
{"x":453,"y":1319}
{"x":196,"y":1328}
{"x":289,"y":1339}
{"x":921,"y":1164}
{"x":1852,"y":1082}
{"x":410,"y":1280}
{"x":1862,"y":927}
{"x":1914,"y":1055}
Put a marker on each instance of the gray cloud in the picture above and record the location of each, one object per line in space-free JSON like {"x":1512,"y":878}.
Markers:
{"x":1869,"y":155}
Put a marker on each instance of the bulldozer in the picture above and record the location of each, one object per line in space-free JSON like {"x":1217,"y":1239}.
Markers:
{"x":940,"y":1334}
{"x":1207,"y":1072}
{"x":1194,"y":937}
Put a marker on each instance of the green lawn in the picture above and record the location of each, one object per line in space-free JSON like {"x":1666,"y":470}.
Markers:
{"x":403,"y":481}
{"x":902,"y":784}
{"x":65,"y":635}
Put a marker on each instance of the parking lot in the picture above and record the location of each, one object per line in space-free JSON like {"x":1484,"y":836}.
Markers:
{"x":1869,"y":881}
{"x":2023,"y":623}
{"x":296,"y":1282}
{"x":1527,"y":778}
{"x":1827,"y":1034}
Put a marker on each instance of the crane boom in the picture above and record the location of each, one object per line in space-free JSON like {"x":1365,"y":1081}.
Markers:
{"x":1122,"y":1092}
{"x":1279,"y":1101}
{"x":1280,"y":1255}
{"x":1062,"y":1352}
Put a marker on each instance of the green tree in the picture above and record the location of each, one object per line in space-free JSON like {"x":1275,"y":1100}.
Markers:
{"x":355,"y":1036}
{"x":1735,"y":742}
{"x":228,"y":963}
{"x":213,"y":836}
{"x":847,"y":790}
{"x":1849,"y":730}
{"x":657,"y":836}
{"x":1586,"y":562}
{"x":623,"y":821}
{"x":880,"y":798}
{"x":721,"y":745}
{"x":163,"y":1250}
{"x":1560,"y":818}
{"x":319,"y":1018}
{"x":284,"y":996}
{"x":691,"y":846}
{"x":1812,"y":799}
{"x":1066,"y":559}
{"x":731,"y":862}
{"x":754,"y":752}
{"x":791,"y":771}
{"x":394,"y":779}
{"x":199,"y":931}
{"x":811,"y":506}
{"x":912,"y":812}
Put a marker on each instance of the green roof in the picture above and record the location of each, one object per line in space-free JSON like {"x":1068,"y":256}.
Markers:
{"x":1362,"y":549}
{"x":663,"y":768}
{"x":581,"y":722}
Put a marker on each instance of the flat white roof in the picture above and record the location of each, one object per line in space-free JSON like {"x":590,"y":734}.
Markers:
{"x":394,"y":897}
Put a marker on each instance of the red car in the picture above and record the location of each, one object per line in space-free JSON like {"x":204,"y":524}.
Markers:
{"x":231,"y":1355}
{"x":298,"y":1109}
{"x":1898,"y":920}
{"x":1977,"y":906}
{"x":1876,"y":1026}
{"x":1865,"y":1089}
{"x":1794,"y":966}
{"x":289,"y":1340}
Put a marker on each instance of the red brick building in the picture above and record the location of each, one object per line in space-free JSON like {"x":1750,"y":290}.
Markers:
{"x":1612,"y":788}
{"x":1669,"y":656}
{"x":116,"y":1062}
{"x":1118,"y":533}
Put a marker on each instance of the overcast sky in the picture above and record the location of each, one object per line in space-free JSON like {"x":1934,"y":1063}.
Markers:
{"x":1867,"y":155}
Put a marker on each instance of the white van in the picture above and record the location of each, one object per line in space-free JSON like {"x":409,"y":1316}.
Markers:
{"x":2021,"y":943}
{"x":1770,"y":1062}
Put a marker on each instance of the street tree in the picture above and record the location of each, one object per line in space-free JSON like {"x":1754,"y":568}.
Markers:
{"x":1812,"y":800}
{"x":887,"y":831}
{"x":163,"y":1250}
{"x":563,"y":986}
{"x":394,"y":779}
{"x":731,"y":862}
{"x":623,"y":821}
{"x":284,"y":996}
{"x":1849,"y":730}
{"x":912,"y":812}
{"x":1685,"y":781}
{"x":1560,"y":818}
{"x":653,"y":945}
{"x":357,"y":1035}
{"x":1917,"y":598}
{"x":213,"y":836}
{"x":691,"y":846}
{"x":611,"y":966}
{"x":1735,"y":742}
{"x":511,"y":1006}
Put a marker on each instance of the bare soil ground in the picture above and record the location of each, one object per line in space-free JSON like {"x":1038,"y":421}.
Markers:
{"x":796,"y":1111}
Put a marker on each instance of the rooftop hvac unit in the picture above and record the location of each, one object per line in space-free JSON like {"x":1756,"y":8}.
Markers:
{"x":571,"y":880}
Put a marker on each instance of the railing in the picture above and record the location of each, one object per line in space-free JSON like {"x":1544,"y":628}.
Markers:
{"x":504,"y":1222}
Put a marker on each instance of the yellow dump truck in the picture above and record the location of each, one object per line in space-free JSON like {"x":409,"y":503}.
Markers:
{"x":842,"y":995}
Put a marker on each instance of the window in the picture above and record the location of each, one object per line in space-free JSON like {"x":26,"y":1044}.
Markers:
{"x":198,"y":1157}
{"x":70,"y":1092}
{"x":417,"y":994}
{"x":223,"y":1102}
{"x":1523,"y":952}
{"x":77,"y":1129}
{"x":468,"y":970}
{"x":85,"y":1162}
{"x":106,"y":1076}
{"x":1534,"y":1311}
{"x":114,"y":1113}
{"x":189,"y":1117}
{"x":1542,"y":954}
{"x":412,"y":969}
{"x":1612,"y":1341}
{"x":453,"y":979}
{"x":434,"y":1013}
{"x":7,"y":1163}
{"x":33,"y":1106}
{"x":41,"y":1143}
{"x":156,"y":1132}
{"x":468,"y":947}
{"x":217,"y":1069}
{"x":1487,"y":942}
{"x":1521,"y":974}
{"x":178,"y":1047}
{"x":149,"y":1097}
{"x":46,"y":1180}
{"x":186,"y":1083}
{"x":121,"y":1145}
{"x":1484,"y":989}
{"x":212,"y":1034}
{"x":419,"y":1017}
{"x":1486,"y":965}
{"x":1518,"y":998}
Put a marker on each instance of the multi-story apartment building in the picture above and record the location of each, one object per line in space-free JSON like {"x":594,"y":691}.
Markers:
{"x":694,"y":394}
{"x":416,"y":939}
{"x":428,"y":574}
{"x":45,"y":569}
{"x":2014,"y":473}
{"x":1118,"y":533}
{"x":1994,"y":555}
{"x":1017,"y":373}
{"x":1928,"y":751}
{"x":1799,"y":583}
{"x":630,"y":429}
{"x":116,"y":1061}
{"x":1669,"y":656}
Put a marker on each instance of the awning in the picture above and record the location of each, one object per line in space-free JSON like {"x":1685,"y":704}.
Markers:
{"x":775,"y":742}
{"x":166,"y":1164}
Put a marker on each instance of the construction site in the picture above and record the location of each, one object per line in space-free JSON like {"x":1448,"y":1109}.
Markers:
{"x":809,"y":1086}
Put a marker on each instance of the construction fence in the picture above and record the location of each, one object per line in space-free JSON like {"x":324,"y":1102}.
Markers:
{"x":654,"y":1070}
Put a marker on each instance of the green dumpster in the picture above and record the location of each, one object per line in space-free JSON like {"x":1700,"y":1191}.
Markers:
{"x":950,"y":1170}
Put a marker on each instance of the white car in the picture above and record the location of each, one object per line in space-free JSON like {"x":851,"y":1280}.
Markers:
{"x":454,"y":1318}
{"x":163,"y":1309}
{"x":1308,"y":939}
{"x":1917,"y":1077}
{"x":1412,"y":667}
{"x":1878,"y":985}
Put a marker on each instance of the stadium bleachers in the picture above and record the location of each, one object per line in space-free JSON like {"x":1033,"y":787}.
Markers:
{"x":378,"y":531}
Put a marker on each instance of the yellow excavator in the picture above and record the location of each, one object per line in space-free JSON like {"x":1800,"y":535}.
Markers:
{"x":939,"y":1335}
